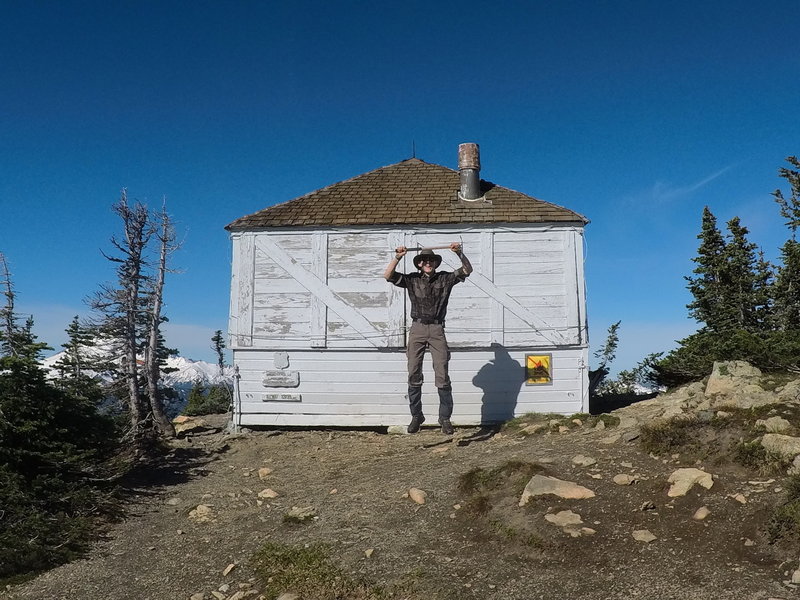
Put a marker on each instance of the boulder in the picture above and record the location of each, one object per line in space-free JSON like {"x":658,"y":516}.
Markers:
{"x":541,"y":485}
{"x":790,"y":392}
{"x":734,"y":383}
{"x":683,"y":480}
{"x":774,"y":424}
{"x":784,"y":445}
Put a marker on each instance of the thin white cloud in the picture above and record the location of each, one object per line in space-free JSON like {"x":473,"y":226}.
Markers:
{"x":662,"y":192}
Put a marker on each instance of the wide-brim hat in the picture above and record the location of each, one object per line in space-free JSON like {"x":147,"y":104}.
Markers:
{"x":427,"y":253}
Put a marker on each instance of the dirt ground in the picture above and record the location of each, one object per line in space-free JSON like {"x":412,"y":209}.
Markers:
{"x":463,"y":542}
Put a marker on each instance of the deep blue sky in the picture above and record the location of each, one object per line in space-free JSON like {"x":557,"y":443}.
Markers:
{"x":633,"y":114}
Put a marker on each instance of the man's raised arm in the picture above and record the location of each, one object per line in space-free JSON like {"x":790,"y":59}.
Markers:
{"x":399,"y":253}
{"x":465,"y":264}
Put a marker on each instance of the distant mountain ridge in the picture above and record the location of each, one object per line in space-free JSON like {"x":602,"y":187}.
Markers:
{"x":186,"y":374}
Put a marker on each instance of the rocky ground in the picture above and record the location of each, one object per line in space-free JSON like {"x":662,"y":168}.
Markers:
{"x":437,"y":517}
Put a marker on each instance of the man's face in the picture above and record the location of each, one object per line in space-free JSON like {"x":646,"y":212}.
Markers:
{"x":427,"y":265}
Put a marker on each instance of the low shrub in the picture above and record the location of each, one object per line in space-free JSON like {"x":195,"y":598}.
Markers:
{"x":308,"y":572}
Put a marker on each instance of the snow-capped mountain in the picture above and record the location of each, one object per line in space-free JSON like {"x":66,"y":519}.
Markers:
{"x":186,"y":374}
{"x":186,"y":370}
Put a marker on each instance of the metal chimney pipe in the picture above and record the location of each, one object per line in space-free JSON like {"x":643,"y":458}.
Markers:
{"x":469,"y":168}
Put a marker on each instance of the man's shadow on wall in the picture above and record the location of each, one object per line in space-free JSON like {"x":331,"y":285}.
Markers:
{"x":501,"y":381}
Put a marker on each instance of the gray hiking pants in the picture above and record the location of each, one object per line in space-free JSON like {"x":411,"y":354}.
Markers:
{"x":420,"y":338}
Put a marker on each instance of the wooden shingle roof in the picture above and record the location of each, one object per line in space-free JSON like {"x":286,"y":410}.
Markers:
{"x":409,"y":192}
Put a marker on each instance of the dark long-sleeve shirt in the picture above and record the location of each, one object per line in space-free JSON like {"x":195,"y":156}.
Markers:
{"x":428,"y":293}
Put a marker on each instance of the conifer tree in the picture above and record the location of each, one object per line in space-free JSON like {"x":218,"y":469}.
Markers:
{"x":218,"y":345}
{"x":741,"y":292}
{"x":787,"y":281}
{"x":51,"y":441}
{"x":707,"y":286}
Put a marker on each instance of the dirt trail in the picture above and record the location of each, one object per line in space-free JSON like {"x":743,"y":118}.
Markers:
{"x":355,"y":482}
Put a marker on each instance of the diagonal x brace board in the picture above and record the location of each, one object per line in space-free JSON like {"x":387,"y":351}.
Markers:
{"x":320,"y":290}
{"x":510,"y":304}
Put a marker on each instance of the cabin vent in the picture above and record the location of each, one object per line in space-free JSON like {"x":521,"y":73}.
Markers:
{"x":469,"y":169}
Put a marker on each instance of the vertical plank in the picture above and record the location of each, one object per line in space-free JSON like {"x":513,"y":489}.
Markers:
{"x":496,"y":310}
{"x":572,"y":289}
{"x":319,"y":267}
{"x":396,"y":323}
{"x":244,"y":291}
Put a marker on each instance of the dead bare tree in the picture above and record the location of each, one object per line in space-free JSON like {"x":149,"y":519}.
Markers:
{"x":7,"y":326}
{"x":166,"y":237}
{"x":122,"y":307}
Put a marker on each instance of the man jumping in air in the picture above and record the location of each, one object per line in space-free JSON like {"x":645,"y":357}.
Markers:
{"x":429,"y":292}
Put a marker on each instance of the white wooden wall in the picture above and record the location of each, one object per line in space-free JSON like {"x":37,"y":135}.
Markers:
{"x":320,"y":296}
{"x":368,"y":388}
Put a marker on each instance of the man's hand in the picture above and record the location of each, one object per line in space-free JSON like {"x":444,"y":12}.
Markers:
{"x":456,"y":247}
{"x":400,"y":252}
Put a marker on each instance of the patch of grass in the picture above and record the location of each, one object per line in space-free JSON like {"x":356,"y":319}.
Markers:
{"x":478,"y":505}
{"x":665,"y":437}
{"x":530,"y":419}
{"x":773,"y":381}
{"x":784,"y":524}
{"x":754,"y":456}
{"x":308,"y":572}
{"x":481,"y":480}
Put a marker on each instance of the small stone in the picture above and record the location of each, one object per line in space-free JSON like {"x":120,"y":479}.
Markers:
{"x":595,"y":475}
{"x":577,"y":422}
{"x":739,"y":498}
{"x":563,"y":429}
{"x":202,"y":513}
{"x":647,"y":505}
{"x":173,"y":501}
{"x":333,"y":491}
{"x":626,"y":465}
{"x":224,"y":588}
{"x":630,"y":436}
{"x":583,"y":461}
{"x":301,"y":513}
{"x":564,"y":518}
{"x":701,"y":513}
{"x":396,"y":430}
{"x":218,"y":596}
{"x":611,"y":439}
{"x":288,"y":596}
{"x":600,"y":425}
{"x":749,"y":542}
{"x":796,"y":576}
{"x":228,"y":569}
{"x":197,"y":596}
{"x":623,"y":479}
{"x":643,"y":535}
{"x":264,"y":472}
{"x":417,"y":495}
{"x":268,"y":493}
{"x":368,"y":552}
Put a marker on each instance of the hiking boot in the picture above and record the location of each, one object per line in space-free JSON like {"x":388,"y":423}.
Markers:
{"x":447,"y":426}
{"x":416,"y":422}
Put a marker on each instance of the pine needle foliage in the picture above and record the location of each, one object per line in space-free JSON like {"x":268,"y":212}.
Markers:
{"x":748,"y":309}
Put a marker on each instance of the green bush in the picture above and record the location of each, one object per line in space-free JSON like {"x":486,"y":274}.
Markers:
{"x":206,"y":401}
{"x":52,"y":444}
{"x":694,"y":359}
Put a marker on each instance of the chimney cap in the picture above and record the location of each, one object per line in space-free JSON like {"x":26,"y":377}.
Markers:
{"x":469,"y":156}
